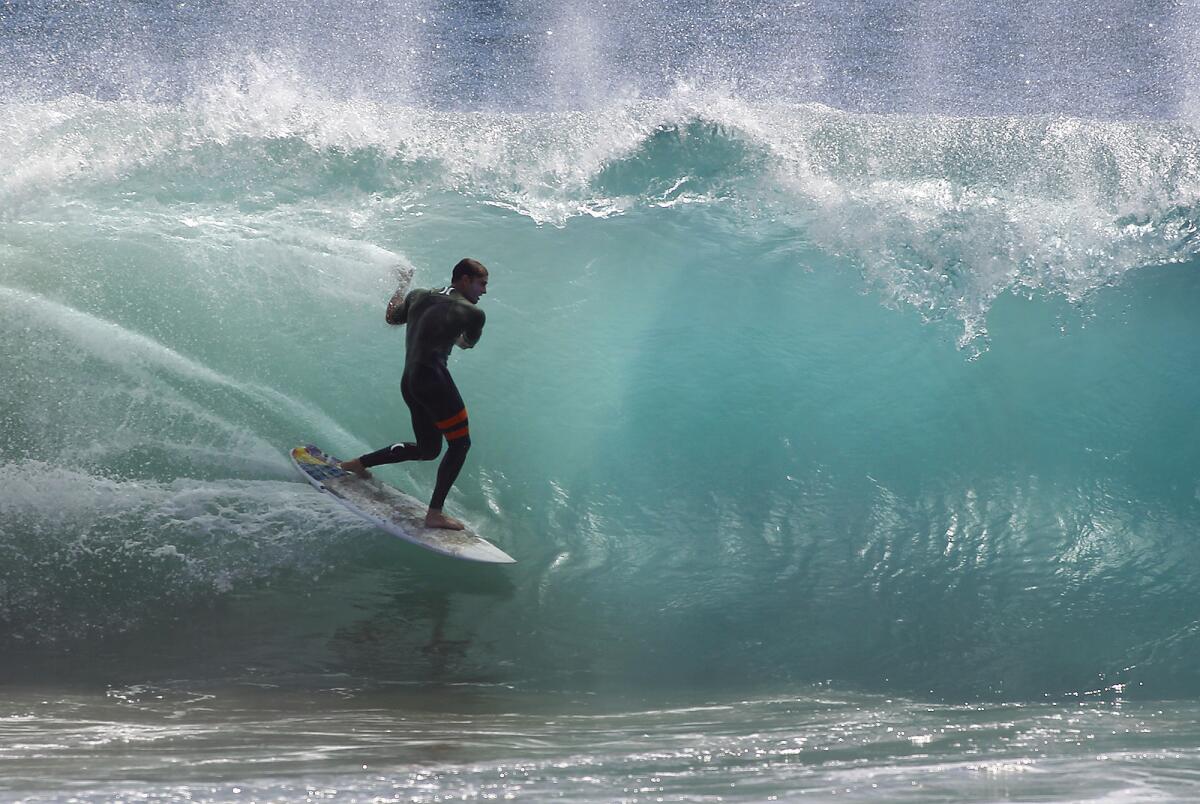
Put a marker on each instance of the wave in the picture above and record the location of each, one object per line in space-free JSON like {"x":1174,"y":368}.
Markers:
{"x":708,"y":447}
{"x":89,"y":556}
{"x":941,"y":214}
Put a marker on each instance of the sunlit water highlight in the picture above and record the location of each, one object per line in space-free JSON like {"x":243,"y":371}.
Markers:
{"x":464,"y":743}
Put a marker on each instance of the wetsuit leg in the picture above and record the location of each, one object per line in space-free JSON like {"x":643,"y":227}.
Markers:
{"x":429,"y":437}
{"x":448,"y":469}
{"x":435,"y":390}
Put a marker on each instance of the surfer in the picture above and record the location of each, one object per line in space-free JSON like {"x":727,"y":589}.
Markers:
{"x":437,"y":320}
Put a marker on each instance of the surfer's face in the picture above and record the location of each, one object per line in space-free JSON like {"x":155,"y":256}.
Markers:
{"x":472,"y":287}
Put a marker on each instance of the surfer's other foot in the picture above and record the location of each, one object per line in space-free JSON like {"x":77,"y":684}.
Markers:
{"x":356,"y":467}
{"x":436,"y":519}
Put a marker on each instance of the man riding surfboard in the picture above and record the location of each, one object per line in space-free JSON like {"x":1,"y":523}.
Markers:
{"x":438,"y":319}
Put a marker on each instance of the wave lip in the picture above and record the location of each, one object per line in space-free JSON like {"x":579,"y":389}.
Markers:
{"x":940,"y":214}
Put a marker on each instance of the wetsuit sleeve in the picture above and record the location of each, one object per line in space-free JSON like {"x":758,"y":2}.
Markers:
{"x":474,"y":329}
{"x":397,"y":309}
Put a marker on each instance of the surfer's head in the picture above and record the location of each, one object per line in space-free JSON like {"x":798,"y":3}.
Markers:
{"x":470,"y":278}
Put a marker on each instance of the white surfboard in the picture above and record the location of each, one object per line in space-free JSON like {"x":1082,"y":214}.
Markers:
{"x":392,"y":510}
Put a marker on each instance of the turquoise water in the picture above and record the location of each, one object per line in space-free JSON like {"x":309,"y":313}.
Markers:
{"x":831,"y":383}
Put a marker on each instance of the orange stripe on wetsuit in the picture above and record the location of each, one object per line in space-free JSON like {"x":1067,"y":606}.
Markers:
{"x":445,"y":426}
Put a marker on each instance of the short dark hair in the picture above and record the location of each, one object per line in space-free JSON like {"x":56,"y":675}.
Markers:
{"x":467,"y":267}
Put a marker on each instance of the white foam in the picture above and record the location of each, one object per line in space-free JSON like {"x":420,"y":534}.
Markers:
{"x":943,"y":214}
{"x":177,"y":539}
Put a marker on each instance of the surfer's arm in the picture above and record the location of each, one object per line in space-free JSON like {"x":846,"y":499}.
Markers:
{"x":473,"y":332}
{"x":397,"y":309}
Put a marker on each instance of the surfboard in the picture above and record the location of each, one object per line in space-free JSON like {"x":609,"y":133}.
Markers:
{"x":390,"y":509}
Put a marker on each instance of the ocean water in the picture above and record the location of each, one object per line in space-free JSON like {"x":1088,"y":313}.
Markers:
{"x":837,"y":400}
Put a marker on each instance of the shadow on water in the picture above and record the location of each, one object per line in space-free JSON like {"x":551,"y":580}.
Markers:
{"x":390,"y":614}
{"x":421,"y":625}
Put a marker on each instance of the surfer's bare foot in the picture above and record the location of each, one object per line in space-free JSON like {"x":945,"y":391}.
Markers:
{"x":436,"y":519}
{"x":356,"y":467}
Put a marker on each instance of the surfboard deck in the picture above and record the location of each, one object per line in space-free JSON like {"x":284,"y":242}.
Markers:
{"x":392,"y":510}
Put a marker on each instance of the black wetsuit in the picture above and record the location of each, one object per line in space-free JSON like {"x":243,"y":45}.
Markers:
{"x":435,"y":318}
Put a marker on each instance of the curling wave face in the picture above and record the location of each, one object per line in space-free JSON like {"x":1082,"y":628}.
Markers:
{"x":770,"y":388}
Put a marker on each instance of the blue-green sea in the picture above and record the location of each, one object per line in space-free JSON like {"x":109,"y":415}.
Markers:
{"x":838,"y":400}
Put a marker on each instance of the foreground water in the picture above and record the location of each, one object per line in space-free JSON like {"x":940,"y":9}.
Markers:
{"x":485,"y":743}
{"x":837,"y":400}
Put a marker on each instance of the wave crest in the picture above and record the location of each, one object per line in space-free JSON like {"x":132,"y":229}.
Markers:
{"x":943,"y":214}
